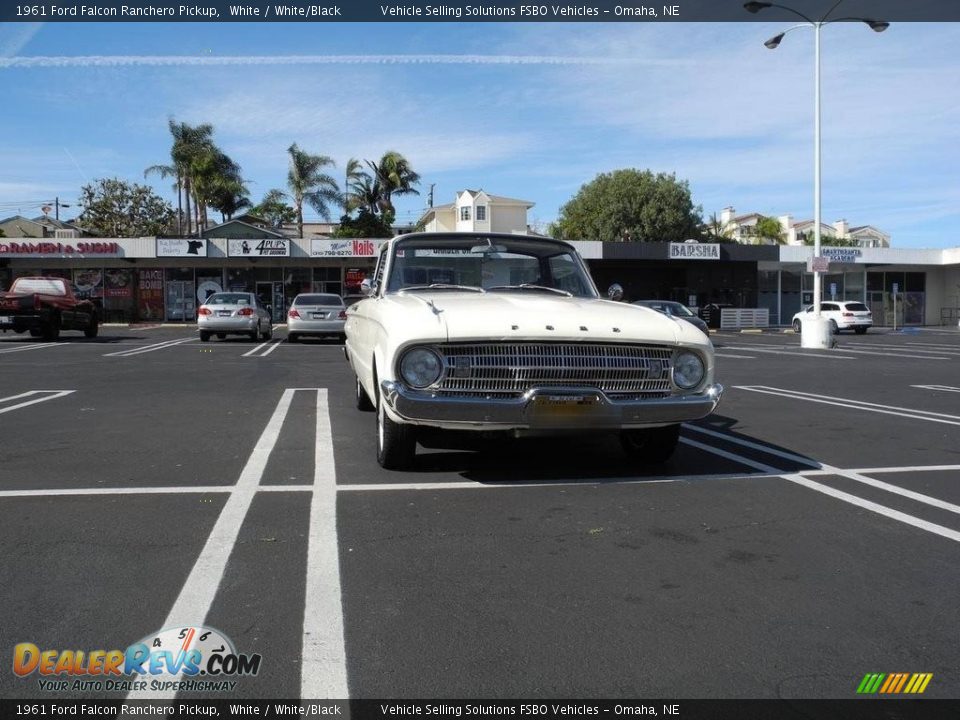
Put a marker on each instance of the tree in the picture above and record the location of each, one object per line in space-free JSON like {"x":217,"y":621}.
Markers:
{"x":274,"y":208}
{"x":117,"y":208}
{"x":308,"y":183}
{"x":216,"y":183}
{"x":189,"y":141}
{"x":829,"y":240}
{"x":630,"y":204}
{"x":365,"y":225}
{"x":393,"y":175}
{"x":768,"y":228}
{"x":715,"y":231}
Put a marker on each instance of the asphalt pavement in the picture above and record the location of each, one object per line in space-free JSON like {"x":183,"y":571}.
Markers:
{"x":804,"y":535}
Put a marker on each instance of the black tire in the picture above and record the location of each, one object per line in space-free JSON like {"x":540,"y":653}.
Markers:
{"x":51,"y":330}
{"x":34,"y":332}
{"x":254,"y":334}
{"x":268,"y":334}
{"x":396,"y":442}
{"x":293,"y":337}
{"x":221,"y":336}
{"x":363,"y":400}
{"x":650,"y":445}
{"x":204,"y":335}
{"x":833,"y":327}
{"x":93,"y":328}
{"x":861,"y":330}
{"x":796,"y":325}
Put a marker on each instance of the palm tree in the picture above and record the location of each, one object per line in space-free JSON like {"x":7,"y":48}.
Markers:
{"x":217,"y":183}
{"x":354,"y":176}
{"x":769,"y":228}
{"x":189,"y":141}
{"x":394,"y":176}
{"x":715,"y":229}
{"x":308,"y":182}
{"x":274,"y":208}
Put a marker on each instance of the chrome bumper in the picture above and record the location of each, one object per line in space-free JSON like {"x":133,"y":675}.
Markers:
{"x":546,"y":408}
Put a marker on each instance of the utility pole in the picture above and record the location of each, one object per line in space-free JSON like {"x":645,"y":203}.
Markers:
{"x":430,"y":198}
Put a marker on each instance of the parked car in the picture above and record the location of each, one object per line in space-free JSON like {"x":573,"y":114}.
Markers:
{"x":676,"y":310}
{"x":845,"y":315}
{"x":495,"y":332}
{"x":45,"y":306}
{"x":321,"y":314}
{"x":234,"y":313}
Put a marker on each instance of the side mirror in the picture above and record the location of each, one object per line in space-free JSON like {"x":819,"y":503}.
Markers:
{"x":615,"y":292}
{"x":366,"y":287}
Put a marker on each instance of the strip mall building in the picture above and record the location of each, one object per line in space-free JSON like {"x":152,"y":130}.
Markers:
{"x":153,"y":279}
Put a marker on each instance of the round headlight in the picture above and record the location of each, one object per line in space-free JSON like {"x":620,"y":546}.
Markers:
{"x":421,"y":367}
{"x":687,"y":370}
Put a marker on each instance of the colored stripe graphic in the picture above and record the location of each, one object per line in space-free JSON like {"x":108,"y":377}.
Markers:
{"x":894,"y":683}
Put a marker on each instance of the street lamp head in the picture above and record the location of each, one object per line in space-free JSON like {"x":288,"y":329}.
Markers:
{"x":755,"y":7}
{"x":774,"y":41}
{"x":877,"y":25}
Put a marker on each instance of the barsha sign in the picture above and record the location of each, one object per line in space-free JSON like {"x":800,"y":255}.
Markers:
{"x":258,"y":248}
{"x":694,"y":251}
{"x":181,"y":247}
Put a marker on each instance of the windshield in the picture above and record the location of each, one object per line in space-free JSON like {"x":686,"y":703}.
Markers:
{"x":491,"y":264}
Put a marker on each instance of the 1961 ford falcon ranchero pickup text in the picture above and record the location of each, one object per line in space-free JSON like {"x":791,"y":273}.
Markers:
{"x":491,"y":332}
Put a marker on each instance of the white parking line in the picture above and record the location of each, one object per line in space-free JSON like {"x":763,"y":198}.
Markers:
{"x":32,"y":346}
{"x":728,"y":355}
{"x":897,"y":349}
{"x":54,"y":394}
{"x":173,"y":490}
{"x":256,"y":349}
{"x":756,"y":446}
{"x":851,"y":404}
{"x":149,"y":348}
{"x":941,"y":388}
{"x":323,"y":668}
{"x":755,"y":348}
{"x":198,"y":592}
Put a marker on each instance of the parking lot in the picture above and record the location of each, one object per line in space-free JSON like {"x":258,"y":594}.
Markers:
{"x":804,"y":535}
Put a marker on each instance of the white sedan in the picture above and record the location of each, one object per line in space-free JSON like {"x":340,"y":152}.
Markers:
{"x":492,"y":332}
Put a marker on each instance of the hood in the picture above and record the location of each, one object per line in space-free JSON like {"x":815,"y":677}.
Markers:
{"x":467,"y":316}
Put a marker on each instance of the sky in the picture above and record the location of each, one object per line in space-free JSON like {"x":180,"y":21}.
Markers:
{"x":526,"y":110}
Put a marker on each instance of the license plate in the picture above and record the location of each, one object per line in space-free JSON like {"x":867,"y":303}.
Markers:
{"x":224,"y":313}
{"x":565,"y":406}
{"x":6,"y":320}
{"x":319,"y":316}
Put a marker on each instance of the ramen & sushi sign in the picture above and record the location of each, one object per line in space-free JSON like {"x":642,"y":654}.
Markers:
{"x":81,"y":249}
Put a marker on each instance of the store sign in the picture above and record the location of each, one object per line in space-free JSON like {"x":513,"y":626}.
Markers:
{"x":344,"y":248}
{"x":818,"y":264}
{"x":258,"y":248}
{"x":80,"y":249}
{"x":694,"y":251}
{"x":842,"y":254}
{"x":181,"y":247}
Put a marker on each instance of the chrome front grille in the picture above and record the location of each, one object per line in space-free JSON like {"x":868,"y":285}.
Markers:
{"x":510,"y":369}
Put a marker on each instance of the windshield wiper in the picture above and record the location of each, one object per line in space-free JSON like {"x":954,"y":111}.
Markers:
{"x":532,"y":286}
{"x":443,"y":286}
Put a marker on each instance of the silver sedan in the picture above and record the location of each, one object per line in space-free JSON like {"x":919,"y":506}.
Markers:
{"x":316,"y":314}
{"x":234,"y":313}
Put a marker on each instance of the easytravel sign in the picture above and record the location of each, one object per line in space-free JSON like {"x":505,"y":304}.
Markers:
{"x":258,"y":248}
{"x":694,"y":251}
{"x":344,"y":248}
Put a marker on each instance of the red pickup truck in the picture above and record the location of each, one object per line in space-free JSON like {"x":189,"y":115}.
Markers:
{"x":45,"y":306}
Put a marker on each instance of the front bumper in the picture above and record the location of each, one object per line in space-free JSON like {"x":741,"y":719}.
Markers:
{"x":549,"y":408}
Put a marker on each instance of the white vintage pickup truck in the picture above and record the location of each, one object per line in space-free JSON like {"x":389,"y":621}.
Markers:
{"x":492,"y":332}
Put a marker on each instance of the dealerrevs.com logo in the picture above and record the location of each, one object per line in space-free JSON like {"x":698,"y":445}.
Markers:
{"x":193,"y":658}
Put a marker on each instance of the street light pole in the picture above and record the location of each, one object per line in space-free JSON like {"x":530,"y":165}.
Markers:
{"x":815,"y":333}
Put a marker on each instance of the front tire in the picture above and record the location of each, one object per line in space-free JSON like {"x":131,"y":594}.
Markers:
{"x":796,"y":326}
{"x":650,"y":445}
{"x":396,"y":442}
{"x":93,"y":328}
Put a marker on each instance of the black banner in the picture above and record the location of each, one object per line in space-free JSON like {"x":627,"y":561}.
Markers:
{"x":855,"y":709}
{"x":466,"y":11}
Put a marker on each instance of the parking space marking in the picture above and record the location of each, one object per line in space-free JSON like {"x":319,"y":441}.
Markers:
{"x":274,"y":344}
{"x":756,"y":348}
{"x":197,"y":595}
{"x":150,"y":348}
{"x":941,"y":388}
{"x":323,"y":666}
{"x":755,"y":446}
{"x":854,"y":404}
{"x":900,"y":349}
{"x":743,"y":357}
{"x":844,"y":347}
{"x":31,"y":346}
{"x":173,"y":490}
{"x":53,"y":395}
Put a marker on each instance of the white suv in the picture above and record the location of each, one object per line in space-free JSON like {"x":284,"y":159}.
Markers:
{"x":842,"y":316}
